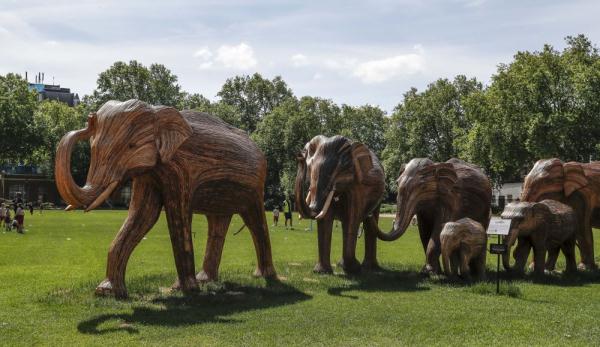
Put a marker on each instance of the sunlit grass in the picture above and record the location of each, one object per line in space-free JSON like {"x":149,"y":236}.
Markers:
{"x":48,"y":275}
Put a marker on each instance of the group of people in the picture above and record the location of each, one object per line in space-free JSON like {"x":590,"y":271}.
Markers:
{"x":287,"y":212}
{"x":17,"y":223}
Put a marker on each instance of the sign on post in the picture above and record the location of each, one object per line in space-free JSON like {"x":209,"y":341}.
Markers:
{"x":498,"y":226}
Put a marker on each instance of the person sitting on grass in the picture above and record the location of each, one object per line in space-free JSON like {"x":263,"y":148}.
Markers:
{"x":20,"y":218}
{"x":275,"y":216}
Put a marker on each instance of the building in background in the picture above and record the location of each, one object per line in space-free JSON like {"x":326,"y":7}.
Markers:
{"x":508,"y":193}
{"x":27,"y":182}
{"x":52,"y":91}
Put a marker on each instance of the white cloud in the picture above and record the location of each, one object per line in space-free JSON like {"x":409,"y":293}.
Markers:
{"x":240,"y":57}
{"x":375,"y":71}
{"x":317,"y":76}
{"x":299,"y":60}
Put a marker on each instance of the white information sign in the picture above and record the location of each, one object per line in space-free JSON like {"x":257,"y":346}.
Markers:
{"x":498,"y":226}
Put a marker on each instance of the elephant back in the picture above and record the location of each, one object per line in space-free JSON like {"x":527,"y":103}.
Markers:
{"x":475,"y":192}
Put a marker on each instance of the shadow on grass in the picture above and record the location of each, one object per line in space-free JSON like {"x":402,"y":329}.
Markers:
{"x":384,"y":280}
{"x":202,"y":307}
{"x":576,"y":279}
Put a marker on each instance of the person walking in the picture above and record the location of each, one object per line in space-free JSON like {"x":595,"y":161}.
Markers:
{"x":275,"y":216}
{"x":30,"y":208}
{"x":2,"y":214}
{"x":20,"y":218}
{"x":7,"y":219}
{"x":287,"y":211}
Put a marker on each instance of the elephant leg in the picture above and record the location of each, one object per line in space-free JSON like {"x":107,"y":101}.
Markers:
{"x":324,"y":229}
{"x":479,"y":264}
{"x":539,"y":257}
{"x":455,"y":262}
{"x":568,"y":249}
{"x":520,"y":254}
{"x":179,"y":219}
{"x":349,"y":235}
{"x":465,"y":269}
{"x":256,"y":221}
{"x":144,"y":210}
{"x":217,"y":230}
{"x":551,"y":260}
{"x":370,"y":259}
{"x":433,"y":254}
{"x":585,"y":241}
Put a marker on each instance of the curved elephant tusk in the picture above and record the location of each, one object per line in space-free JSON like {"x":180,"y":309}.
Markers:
{"x":105,"y":194}
{"x":70,"y":208}
{"x":308,"y":198}
{"x":326,"y":206}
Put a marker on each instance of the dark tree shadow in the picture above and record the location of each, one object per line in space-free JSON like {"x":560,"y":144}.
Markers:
{"x":383,"y":280}
{"x":202,"y":307}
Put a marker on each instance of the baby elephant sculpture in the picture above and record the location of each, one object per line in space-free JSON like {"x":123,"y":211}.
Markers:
{"x":547,"y":225}
{"x":464,"y":248}
{"x":183,"y":161}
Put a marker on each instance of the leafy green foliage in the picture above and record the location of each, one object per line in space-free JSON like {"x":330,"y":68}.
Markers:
{"x":18,"y":136}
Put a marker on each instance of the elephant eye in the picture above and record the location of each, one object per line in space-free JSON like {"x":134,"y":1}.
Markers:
{"x":131,"y":145}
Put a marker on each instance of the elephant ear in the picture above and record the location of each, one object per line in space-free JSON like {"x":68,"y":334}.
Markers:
{"x":446,"y":176}
{"x":363,"y":163}
{"x":574,"y":177}
{"x":171,"y":131}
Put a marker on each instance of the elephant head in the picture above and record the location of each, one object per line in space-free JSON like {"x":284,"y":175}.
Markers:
{"x":422,"y":183}
{"x":127,"y":139}
{"x":525,"y":217}
{"x":450,"y":244}
{"x":553,"y":178}
{"x":330,"y":166}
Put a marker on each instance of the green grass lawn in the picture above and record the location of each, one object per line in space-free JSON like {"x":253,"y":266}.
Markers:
{"x":48,"y":276}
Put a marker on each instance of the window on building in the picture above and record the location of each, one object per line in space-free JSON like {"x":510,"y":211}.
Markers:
{"x":126,"y":194}
{"x":509,"y":198}
{"x":41,"y":195}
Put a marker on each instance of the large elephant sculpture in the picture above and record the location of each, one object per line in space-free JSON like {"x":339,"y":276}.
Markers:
{"x":438,"y":193}
{"x":547,"y":226}
{"x":575,"y":184}
{"x":183,"y":161}
{"x":346,"y":182}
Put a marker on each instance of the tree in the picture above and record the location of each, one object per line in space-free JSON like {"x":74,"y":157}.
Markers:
{"x":366,"y":124}
{"x":156,"y":85}
{"x":18,"y":137}
{"x":52,"y":120}
{"x":254,"y":97}
{"x":429,"y":124}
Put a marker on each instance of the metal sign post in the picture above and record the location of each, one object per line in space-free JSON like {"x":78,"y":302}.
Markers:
{"x":498,"y":227}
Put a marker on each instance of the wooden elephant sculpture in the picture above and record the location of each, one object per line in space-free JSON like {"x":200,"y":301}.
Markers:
{"x":438,"y":193}
{"x":463,"y":245}
{"x":346,"y":182}
{"x":575,"y":184}
{"x":546,"y":226}
{"x":183,"y":161}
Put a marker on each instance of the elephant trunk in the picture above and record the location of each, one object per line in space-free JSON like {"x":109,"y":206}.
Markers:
{"x":509,"y":241}
{"x":404,"y":215}
{"x":299,"y":191}
{"x":446,"y":252}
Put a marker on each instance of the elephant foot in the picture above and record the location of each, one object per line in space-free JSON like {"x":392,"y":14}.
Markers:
{"x":587,"y":267}
{"x":204,"y":277}
{"x":189,"y":285}
{"x":323,"y":269}
{"x":428,"y":270}
{"x":371,"y":266}
{"x":350,"y":267}
{"x":266,"y":272}
{"x":106,"y":288}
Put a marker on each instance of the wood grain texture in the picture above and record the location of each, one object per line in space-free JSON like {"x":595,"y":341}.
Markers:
{"x":345,"y":182}
{"x":575,"y":184}
{"x":438,"y":193}
{"x":185,"y":162}
{"x":548,"y":227}
{"x":464,"y":250}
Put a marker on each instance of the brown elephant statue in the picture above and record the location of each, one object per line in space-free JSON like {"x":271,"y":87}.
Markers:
{"x":464,"y":249}
{"x":575,"y":184}
{"x":438,"y":193}
{"x":345,"y":182}
{"x":546,"y":226}
{"x":187,"y":162}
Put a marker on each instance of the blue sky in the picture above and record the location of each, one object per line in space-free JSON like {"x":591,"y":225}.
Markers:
{"x":353,"y":52}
